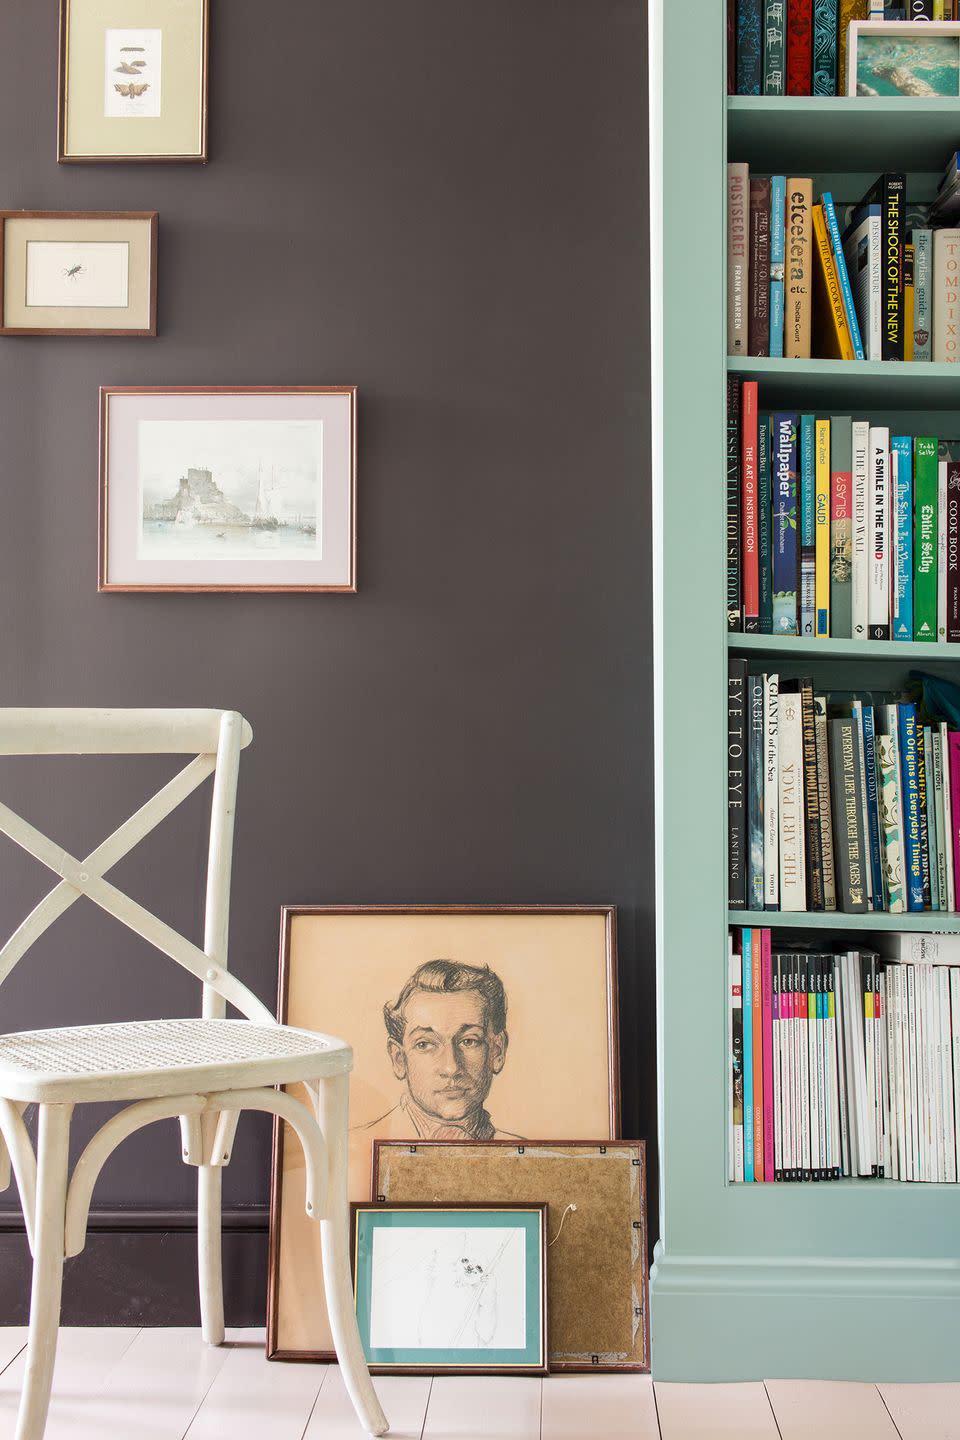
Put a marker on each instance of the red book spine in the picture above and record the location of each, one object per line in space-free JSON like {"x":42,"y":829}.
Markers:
{"x":800,"y":47}
{"x":759,"y":1039}
{"x":748,"y":509}
{"x":766,"y":973}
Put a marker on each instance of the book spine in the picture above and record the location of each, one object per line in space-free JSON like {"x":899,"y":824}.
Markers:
{"x":771,"y":793}
{"x":799,"y":47}
{"x":758,"y":322}
{"x":943,"y":837}
{"x":731,"y":47}
{"x":849,"y":10}
{"x":892,"y":216}
{"x":738,"y":255}
{"x":774,"y":47}
{"x":756,"y":950}
{"x":840,"y":527}
{"x":734,"y":616}
{"x":803,"y":1045}
{"x":785,"y":524}
{"x":947,"y":829}
{"x":890,"y":820}
{"x":749,"y":47}
{"x":922,"y":294}
{"x":879,"y":528}
{"x":778,"y":202}
{"x":808,"y":525}
{"x":798,"y":277}
{"x":925,"y":500}
{"x":941,"y":550}
{"x":826,"y":814}
{"x":901,"y":451}
{"x":766,"y":980}
{"x":873,"y":807}
{"x":748,"y":509}
{"x":930,"y":810}
{"x":777,"y":1026}
{"x":822,"y":522}
{"x":861,"y":564}
{"x":856,"y":711}
{"x":746,"y":949}
{"x":953,"y":763}
{"x":793,"y":882}
{"x":764,"y":524}
{"x":756,"y":761}
{"x":825,"y":47}
{"x":848,"y":837}
{"x":736,"y":777}
{"x":832,"y":329}
{"x":811,"y":800}
{"x":911,"y":806}
{"x":908,"y":301}
{"x":924,"y":817}
{"x":840,"y":263}
{"x":953,"y":551}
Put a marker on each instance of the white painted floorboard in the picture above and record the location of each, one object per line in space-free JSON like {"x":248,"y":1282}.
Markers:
{"x":715,"y":1412}
{"x":404,"y":1399}
{"x":483,"y":1407}
{"x":923,"y":1412}
{"x":829,"y":1410}
{"x":84,"y":1360}
{"x":253,"y":1398}
{"x":616,"y":1407}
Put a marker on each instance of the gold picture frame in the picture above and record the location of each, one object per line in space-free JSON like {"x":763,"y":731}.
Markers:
{"x":133,"y":81}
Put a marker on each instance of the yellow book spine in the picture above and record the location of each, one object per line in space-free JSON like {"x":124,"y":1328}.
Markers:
{"x":849,"y":10}
{"x":835,"y":336}
{"x":822,"y":529}
{"x":908,"y":300}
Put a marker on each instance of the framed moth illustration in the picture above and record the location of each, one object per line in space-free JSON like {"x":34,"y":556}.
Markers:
{"x":78,"y":273}
{"x":467,"y":1023}
{"x":242,"y":487}
{"x":133,"y":80}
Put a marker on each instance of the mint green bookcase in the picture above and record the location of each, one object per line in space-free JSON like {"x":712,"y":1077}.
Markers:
{"x":854,"y":1279}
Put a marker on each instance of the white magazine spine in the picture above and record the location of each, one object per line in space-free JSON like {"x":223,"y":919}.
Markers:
{"x":793,"y":882}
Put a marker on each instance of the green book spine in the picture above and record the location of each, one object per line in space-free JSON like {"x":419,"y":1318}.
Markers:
{"x":841,"y":527}
{"x":765,"y":523}
{"x":926,"y":475}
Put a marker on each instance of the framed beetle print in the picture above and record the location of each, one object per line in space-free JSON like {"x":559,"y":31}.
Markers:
{"x":76,"y":273}
{"x":133,"y":80}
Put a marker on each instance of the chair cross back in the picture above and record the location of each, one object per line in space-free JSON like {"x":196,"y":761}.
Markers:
{"x":218,"y":736}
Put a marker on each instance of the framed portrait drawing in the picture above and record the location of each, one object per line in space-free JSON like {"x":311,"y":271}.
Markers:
{"x":467,"y":1023}
{"x":451,"y":1289}
{"x":133,"y":80}
{"x":228,"y":488}
{"x":64,"y":272}
{"x":911,"y":58}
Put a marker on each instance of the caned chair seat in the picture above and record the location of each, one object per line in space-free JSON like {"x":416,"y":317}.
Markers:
{"x":150,"y":1058}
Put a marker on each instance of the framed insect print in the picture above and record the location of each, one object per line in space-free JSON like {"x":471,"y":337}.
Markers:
{"x":69,"y":273}
{"x":467,"y":1023}
{"x":234,"y":487}
{"x":133,"y":80}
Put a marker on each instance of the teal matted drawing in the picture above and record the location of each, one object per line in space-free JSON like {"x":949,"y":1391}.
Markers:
{"x":451,"y":1288}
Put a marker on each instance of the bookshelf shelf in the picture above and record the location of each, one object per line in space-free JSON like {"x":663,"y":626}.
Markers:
{"x":833,"y":384}
{"x":942,"y":921}
{"x":789,"y":645}
{"x":800,"y":133}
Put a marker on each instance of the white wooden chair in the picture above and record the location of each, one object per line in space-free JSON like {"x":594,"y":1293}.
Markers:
{"x":203,"y":1071}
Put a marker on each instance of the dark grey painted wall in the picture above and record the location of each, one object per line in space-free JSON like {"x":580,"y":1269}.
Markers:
{"x":444,"y":202}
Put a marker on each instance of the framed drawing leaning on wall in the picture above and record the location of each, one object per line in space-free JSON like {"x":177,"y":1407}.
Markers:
{"x":133,"y":80}
{"x":232,"y":487}
{"x":467,"y":1023}
{"x":67,"y":272}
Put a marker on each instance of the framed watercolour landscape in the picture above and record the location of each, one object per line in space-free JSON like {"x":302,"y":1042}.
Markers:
{"x":467,"y":1023}
{"x":133,"y":80}
{"x":228,"y":488}
{"x":66,"y":272}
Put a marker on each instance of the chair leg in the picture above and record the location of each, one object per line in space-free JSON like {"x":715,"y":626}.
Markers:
{"x":209,"y":1252}
{"x":332,"y":1103}
{"x":53,"y":1155}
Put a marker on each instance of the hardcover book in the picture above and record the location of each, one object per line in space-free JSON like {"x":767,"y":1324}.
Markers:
{"x":825,"y":47}
{"x":889,"y":192}
{"x":832,"y":328}
{"x":823,"y":528}
{"x":901,"y":454}
{"x":798,"y":277}
{"x":861,"y":563}
{"x":841,"y":445}
{"x":923,"y":294}
{"x":879,"y":528}
{"x":848,"y":836}
{"x":799,"y":47}
{"x":774,"y":47}
{"x":926,"y":484}
{"x":738,"y":257}
{"x":736,"y":784}
{"x":910,"y":790}
{"x":826,"y":808}
{"x":811,"y":800}
{"x":758,"y":328}
{"x":734,"y":614}
{"x":808,"y":525}
{"x":749,"y":558}
{"x":849,"y":10}
{"x":778,"y":201}
{"x":892,"y":847}
{"x":765,"y":523}
{"x":793,"y":880}
{"x":840,"y":264}
{"x":946,"y":295}
{"x":771,"y":793}
{"x":785,"y":524}
{"x":953,"y":551}
{"x":862,"y":250}
{"x":749,"y":47}
{"x":756,"y":779}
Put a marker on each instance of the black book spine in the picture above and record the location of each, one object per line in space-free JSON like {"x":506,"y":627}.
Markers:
{"x":734,"y":610}
{"x":920,"y":10}
{"x":924,"y":770}
{"x":890,"y":193}
{"x":811,"y":800}
{"x":765,"y":524}
{"x":849,"y":849}
{"x":736,"y":787}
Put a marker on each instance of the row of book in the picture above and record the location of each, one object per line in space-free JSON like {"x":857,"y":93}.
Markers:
{"x":840,"y":1064}
{"x":838,"y":801}
{"x":799,"y":47}
{"x":836,"y":527}
{"x":874,"y":279}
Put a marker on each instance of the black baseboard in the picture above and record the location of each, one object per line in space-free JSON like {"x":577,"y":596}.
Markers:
{"x":140,"y":1268}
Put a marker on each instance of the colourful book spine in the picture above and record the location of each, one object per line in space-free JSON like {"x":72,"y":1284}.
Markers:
{"x":889,"y":788}
{"x":861,"y":564}
{"x":748,"y":509}
{"x":759,"y":318}
{"x":785,"y":568}
{"x":825,"y":47}
{"x":901,"y":449}
{"x":764,"y":524}
{"x":756,"y":771}
{"x":874,"y":841}
{"x":946,"y":296}
{"x":908,"y":300}
{"x":926,"y":484}
{"x":734,"y":616}
{"x":849,"y":10}
{"x":953,"y":750}
{"x":841,"y":515}
{"x":830,"y":215}
{"x":749,"y":48}
{"x":797,"y":285}
{"x":778,"y":202}
{"x":911,"y":806}
{"x":746,"y":951}
{"x":833,"y":332}
{"x":774,"y":47}
{"x":799,"y":47}
{"x":823,"y":528}
{"x":953,"y":551}
{"x":756,"y":937}
{"x":738,"y":258}
{"x":808,"y":525}
{"x":879,"y":522}
{"x":923,"y":294}
{"x":766,"y":980}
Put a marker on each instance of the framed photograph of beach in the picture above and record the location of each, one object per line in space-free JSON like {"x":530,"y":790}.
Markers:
{"x":133,"y":80}
{"x":228,"y":488}
{"x":904,"y":57}
{"x":64,"y":272}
